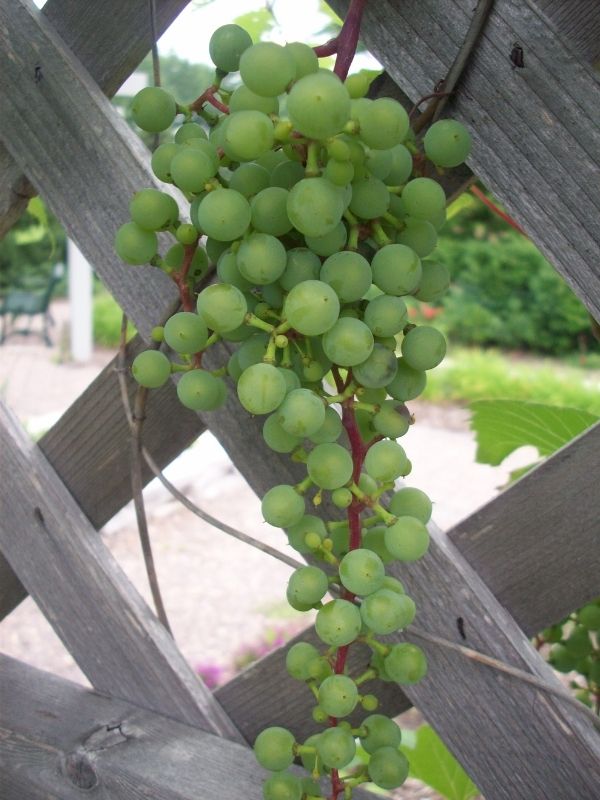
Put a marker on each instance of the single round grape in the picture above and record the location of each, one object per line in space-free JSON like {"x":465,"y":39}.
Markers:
{"x":378,"y":369}
{"x":309,"y":524}
{"x":191,"y":169}
{"x":406,"y":663}
{"x":336,"y":747}
{"x":330,"y":465}
{"x":330,"y":430}
{"x":394,"y":585}
{"x":249,"y":179}
{"x":390,"y":421}
{"x":282,"y":506}
{"x":386,"y":315}
{"x":261,"y":258}
{"x":388,"y":768}
{"x":408,"y":383}
{"x":261,"y":388}
{"x":209,"y":149}
{"x":319,"y":105}
{"x":339,"y":172}
{"x":374,"y":539}
{"x":315,"y":206}
{"x":186,"y":332}
{"x":224,"y":215}
{"x":153,"y":109}
{"x":423,"y":347}
{"x":589,"y":616}
{"x":357,"y":84}
{"x":423,"y":198}
{"x":298,"y":660}
{"x":305,"y":58}
{"x":247,"y":134}
{"x":302,"y":412}
{"x":287,"y":174}
{"x":329,"y":243}
{"x":381,"y":732}
{"x":228,"y":272}
{"x":338,"y":622}
{"x":338,"y":695}
{"x":383,"y":123}
{"x":269,"y":211}
{"x":153,"y":210}
{"x":385,"y":461}
{"x":435,"y":281}
{"x":411,"y":502}
{"x":418,"y":234}
{"x":161,"y":160}
{"x":370,"y":198}
{"x":402,"y":165}
{"x":362,"y":571}
{"x":292,"y":381}
{"x":186,"y":233}
{"x":385,"y":611}
{"x":379,"y":163}
{"x":200,"y":391}
{"x":348,"y":273}
{"x":348,"y":342}
{"x":190,"y":130}
{"x":447,"y":143}
{"x":267,"y":68}
{"x":341,"y":498}
{"x":243,"y":99}
{"x":226,"y":46}
{"x":306,"y":587}
{"x":222,"y":306}
{"x":151,"y":369}
{"x":407,"y":539}
{"x":136,"y":246}
{"x":312,"y":307}
{"x":396,"y":269}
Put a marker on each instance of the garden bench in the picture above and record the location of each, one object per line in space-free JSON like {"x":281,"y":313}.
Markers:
{"x":30,"y":303}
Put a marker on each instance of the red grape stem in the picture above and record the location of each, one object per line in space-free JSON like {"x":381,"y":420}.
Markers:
{"x":180,"y":277}
{"x":498,"y":211}
{"x":345,"y":43}
{"x":208,"y":96}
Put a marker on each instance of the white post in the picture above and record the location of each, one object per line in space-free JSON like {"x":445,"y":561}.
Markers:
{"x":80,"y":304}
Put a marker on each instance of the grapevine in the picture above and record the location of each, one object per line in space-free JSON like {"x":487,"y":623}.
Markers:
{"x":319,"y":220}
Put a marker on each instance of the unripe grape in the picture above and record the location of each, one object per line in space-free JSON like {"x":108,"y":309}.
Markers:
{"x":435,"y":280}
{"x":269,"y":213}
{"x":282,"y":786}
{"x":447,"y":143}
{"x":261,"y":388}
{"x":408,"y":383}
{"x":222,"y":306}
{"x":261,"y":258}
{"x":315,"y":206}
{"x":386,"y":315}
{"x":311,"y":526}
{"x":396,"y":269}
{"x":319,"y":105}
{"x":348,"y":342}
{"x":336,"y":747}
{"x":161,"y":160}
{"x":338,"y":695}
{"x":330,"y":431}
{"x":383,"y":123}
{"x":298,"y":660}
{"x":276,"y":437}
{"x":267,"y":68}
{"x":153,"y":210}
{"x":311,"y":307}
{"x":381,"y":732}
{"x":244,"y":99}
{"x":190,"y":130}
{"x":191,"y":169}
{"x":377,"y":370}
{"x":329,"y":243}
{"x":186,"y":234}
{"x":282,"y":506}
{"x":423,"y":198}
{"x":153,"y":109}
{"x":224,"y":215}
{"x":370,"y":198}
{"x":406,"y":663}
{"x":348,"y":273}
{"x":227,"y":45}
{"x":201,"y":391}
{"x":385,"y":461}
{"x":247,"y":134}
{"x":386,"y":611}
{"x":341,"y":498}
{"x":388,"y":768}
{"x":423,"y":347}
{"x":330,"y":465}
{"x":357,"y":84}
{"x":305,"y":58}
{"x":306,"y":587}
{"x":134,"y":245}
{"x":411,"y":502}
{"x":302,"y":413}
{"x":338,"y":623}
{"x":186,"y":332}
{"x":151,"y":369}
{"x":407,"y":539}
{"x":362,"y":572}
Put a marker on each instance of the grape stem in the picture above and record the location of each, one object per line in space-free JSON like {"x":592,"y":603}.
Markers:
{"x":344,"y":45}
{"x":208,"y":96}
{"x":498,"y":211}
{"x":181,"y":276}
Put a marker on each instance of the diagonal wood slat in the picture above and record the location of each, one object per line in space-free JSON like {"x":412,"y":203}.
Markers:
{"x":578,"y":21}
{"x":110,"y":39}
{"x":111,"y":633}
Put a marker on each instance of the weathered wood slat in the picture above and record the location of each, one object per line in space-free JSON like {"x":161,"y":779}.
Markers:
{"x":525,"y":536}
{"x":110,"y":39}
{"x":536,"y":131}
{"x":111,"y":633}
{"x":578,"y":21}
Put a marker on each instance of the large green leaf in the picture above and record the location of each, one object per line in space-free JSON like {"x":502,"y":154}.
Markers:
{"x":502,"y":426}
{"x":431,"y":762}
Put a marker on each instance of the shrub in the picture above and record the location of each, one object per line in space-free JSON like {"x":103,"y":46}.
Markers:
{"x":107,"y":321}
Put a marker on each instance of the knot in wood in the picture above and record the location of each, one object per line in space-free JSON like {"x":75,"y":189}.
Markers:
{"x":80,"y":771}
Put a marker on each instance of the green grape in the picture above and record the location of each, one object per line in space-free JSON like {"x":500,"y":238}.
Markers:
{"x":370,"y":198}
{"x":272,"y":294}
{"x":191,"y":169}
{"x":282,"y":786}
{"x":423,"y":198}
{"x":190,"y":130}
{"x":338,"y":623}
{"x":302,"y":413}
{"x":339,"y":172}
{"x":136,"y":246}
{"x":202,"y":146}
{"x":330,"y":430}
{"x":348,"y":342}
{"x":234,"y":371}
{"x":247,"y":134}
{"x":151,"y":369}
{"x":329,"y":243}
{"x":153,"y":210}
{"x":357,"y":84}
{"x":161,"y":160}
{"x":153,"y":109}
{"x":157,"y":333}
{"x":227,"y":45}
{"x":383,"y":123}
{"x":306,"y":587}
{"x":312,"y":307}
{"x":319,"y":105}
{"x":261,"y":258}
{"x":589,"y":616}
{"x":186,"y":233}
{"x":222,"y":306}
{"x":379,"y":163}
{"x":385,"y":611}
{"x":435,"y":281}
{"x":336,"y":747}
{"x":423,"y":347}
{"x":341,"y":498}
{"x":348,"y":273}
{"x":249,"y":179}
{"x":447,"y":143}
{"x":287,"y":174}
{"x":391,"y":422}
{"x":378,"y":369}
{"x":386,"y":315}
{"x":402,"y":165}
{"x":362,"y":571}
{"x":410,"y":502}
{"x":282,"y":506}
{"x":299,"y":658}
{"x":228,"y":272}
{"x":338,"y":694}
{"x":186,"y":332}
{"x":393,"y":584}
{"x":224,"y":215}
{"x":305,"y":58}
{"x":380,"y":732}
{"x":269,"y":211}
{"x":408,"y":383}
{"x":200,"y":391}
{"x":261,"y":388}
{"x":253,"y":350}
{"x":374,"y":539}
{"x":420,"y":235}
{"x":396,"y":269}
{"x":314,"y":206}
{"x":292,"y":381}
{"x":267,"y":68}
{"x":309,"y":524}
{"x":388,"y":768}
{"x":406,"y":663}
{"x":385,"y":461}
{"x":274,"y":748}
{"x":243,"y":99}
{"x":330,"y":465}
{"x":215,"y":249}
{"x":407,"y":539}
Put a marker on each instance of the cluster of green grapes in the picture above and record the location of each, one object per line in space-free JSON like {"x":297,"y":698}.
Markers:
{"x":307,"y":195}
{"x":576,"y":648}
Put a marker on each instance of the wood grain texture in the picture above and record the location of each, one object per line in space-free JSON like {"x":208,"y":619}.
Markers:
{"x":536,"y":131}
{"x":110,"y":39}
{"x":524,"y":536}
{"x":578,"y":21}
{"x":95,"y":610}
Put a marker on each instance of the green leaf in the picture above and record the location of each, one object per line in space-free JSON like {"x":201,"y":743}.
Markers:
{"x":257,"y":23}
{"x":37,"y":209}
{"x":431,"y":762}
{"x":502,"y":426}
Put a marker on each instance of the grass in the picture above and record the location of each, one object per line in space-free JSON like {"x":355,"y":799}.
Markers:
{"x":473,"y":374}
{"x":107,"y":321}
